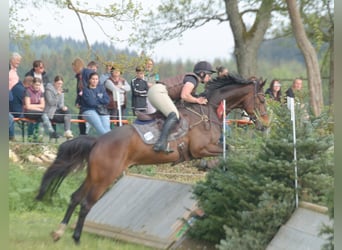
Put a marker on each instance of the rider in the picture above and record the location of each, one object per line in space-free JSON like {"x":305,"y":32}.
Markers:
{"x":159,"y":98}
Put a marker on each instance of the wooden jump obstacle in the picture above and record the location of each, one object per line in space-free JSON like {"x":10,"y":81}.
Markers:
{"x":143,"y":211}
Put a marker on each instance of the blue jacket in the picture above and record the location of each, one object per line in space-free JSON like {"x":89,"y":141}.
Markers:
{"x":82,"y":82}
{"x":16,"y":105}
{"x":90,"y":98}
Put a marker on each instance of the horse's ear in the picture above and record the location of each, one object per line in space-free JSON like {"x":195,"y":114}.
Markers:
{"x":263,"y":82}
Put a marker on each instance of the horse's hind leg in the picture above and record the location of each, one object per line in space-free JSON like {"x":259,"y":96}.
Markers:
{"x":76,"y":198}
{"x":92,"y":197}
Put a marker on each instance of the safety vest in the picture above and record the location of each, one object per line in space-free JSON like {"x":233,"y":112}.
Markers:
{"x":175,"y":84}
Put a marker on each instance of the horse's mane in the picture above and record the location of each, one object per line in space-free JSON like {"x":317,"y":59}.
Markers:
{"x":231,"y":79}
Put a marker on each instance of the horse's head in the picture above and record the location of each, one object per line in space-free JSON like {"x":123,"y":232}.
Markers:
{"x":256,"y":108}
{"x":240,"y":93}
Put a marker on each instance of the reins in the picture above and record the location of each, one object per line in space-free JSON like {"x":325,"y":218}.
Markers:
{"x":203,"y":117}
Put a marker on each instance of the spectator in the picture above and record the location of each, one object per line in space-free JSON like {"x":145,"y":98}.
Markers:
{"x":38,"y":71}
{"x":222,"y":72}
{"x":17,"y":104}
{"x":11,"y":127}
{"x":117,"y":86}
{"x":14,"y":62}
{"x":295,"y":92}
{"x":104,"y":76}
{"x":150,"y":76}
{"x":94,"y":101}
{"x":82,"y":76}
{"x":10,"y":121}
{"x":34,"y":104}
{"x":54,"y":105}
{"x":274,"y":91}
{"x":297,"y":85}
{"x":92,"y":65}
{"x":159,"y":98}
{"x":139,"y":88}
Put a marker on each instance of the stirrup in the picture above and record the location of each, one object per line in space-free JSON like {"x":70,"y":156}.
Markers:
{"x":167,"y":150}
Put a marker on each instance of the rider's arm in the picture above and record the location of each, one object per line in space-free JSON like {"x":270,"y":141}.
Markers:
{"x":188,"y":97}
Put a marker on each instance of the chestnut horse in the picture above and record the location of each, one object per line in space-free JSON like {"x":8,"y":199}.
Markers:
{"x":109,"y":155}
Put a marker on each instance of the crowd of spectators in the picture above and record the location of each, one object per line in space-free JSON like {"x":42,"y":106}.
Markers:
{"x":101,"y":97}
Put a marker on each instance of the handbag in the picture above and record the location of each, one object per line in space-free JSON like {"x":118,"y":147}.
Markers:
{"x":102,"y":110}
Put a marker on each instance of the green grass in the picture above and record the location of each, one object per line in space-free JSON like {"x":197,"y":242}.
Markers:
{"x":31,"y":222}
{"x":31,"y":231}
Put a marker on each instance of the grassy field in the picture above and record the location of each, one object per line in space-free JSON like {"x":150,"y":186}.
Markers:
{"x":31,"y":231}
{"x":31,"y":222}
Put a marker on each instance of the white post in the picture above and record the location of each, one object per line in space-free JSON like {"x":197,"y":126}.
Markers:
{"x":291,"y":106}
{"x":119,"y":107}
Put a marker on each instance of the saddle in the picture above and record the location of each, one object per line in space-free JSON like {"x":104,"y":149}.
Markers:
{"x":150,"y":129}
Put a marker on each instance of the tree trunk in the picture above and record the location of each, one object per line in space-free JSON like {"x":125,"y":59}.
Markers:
{"x":310,"y":56}
{"x":247,"y":42}
{"x":332,"y":80}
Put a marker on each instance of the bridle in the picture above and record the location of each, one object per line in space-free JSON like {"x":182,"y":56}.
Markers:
{"x":259,"y":97}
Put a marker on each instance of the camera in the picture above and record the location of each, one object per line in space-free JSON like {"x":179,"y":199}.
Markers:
{"x":65,"y":90}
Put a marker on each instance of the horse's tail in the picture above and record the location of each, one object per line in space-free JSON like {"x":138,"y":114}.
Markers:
{"x":72,"y":155}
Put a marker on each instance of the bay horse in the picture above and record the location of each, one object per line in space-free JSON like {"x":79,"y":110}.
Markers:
{"x":108,"y":156}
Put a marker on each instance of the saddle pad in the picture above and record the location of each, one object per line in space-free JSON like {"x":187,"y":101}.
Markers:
{"x":150,"y":132}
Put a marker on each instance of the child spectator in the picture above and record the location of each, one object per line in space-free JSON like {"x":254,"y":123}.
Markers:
{"x":92,"y":65}
{"x":139,"y":88}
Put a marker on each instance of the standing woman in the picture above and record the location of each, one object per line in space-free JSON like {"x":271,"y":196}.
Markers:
{"x":54,"y":105}
{"x":93,"y":102}
{"x":116,"y":86}
{"x":274,"y":91}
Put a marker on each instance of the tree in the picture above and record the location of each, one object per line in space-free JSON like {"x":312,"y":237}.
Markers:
{"x":247,"y":198}
{"x":310,"y":56}
{"x":121,"y":14}
{"x":173,"y":18}
{"x":250,"y":20}
{"x":248,"y":41}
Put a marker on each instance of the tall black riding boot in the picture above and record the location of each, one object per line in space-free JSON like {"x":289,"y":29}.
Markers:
{"x":161,"y":144}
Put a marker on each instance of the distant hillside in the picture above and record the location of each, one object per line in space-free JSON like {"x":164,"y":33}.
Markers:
{"x":280,"y":50}
{"x":283,"y":49}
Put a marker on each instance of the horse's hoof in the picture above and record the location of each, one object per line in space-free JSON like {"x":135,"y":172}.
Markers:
{"x":76,"y":240}
{"x":55,"y":236}
{"x":203,"y":165}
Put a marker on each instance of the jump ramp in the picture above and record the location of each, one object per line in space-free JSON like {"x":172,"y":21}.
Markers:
{"x":301,"y":231}
{"x":143,"y":211}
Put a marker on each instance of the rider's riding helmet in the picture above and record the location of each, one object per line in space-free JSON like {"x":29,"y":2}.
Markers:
{"x":203,"y":66}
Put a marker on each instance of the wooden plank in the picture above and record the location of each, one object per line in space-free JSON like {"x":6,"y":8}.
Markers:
{"x":301,"y":231}
{"x":142,"y":210}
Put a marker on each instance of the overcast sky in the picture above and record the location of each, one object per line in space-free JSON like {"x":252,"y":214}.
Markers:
{"x":200,"y":44}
